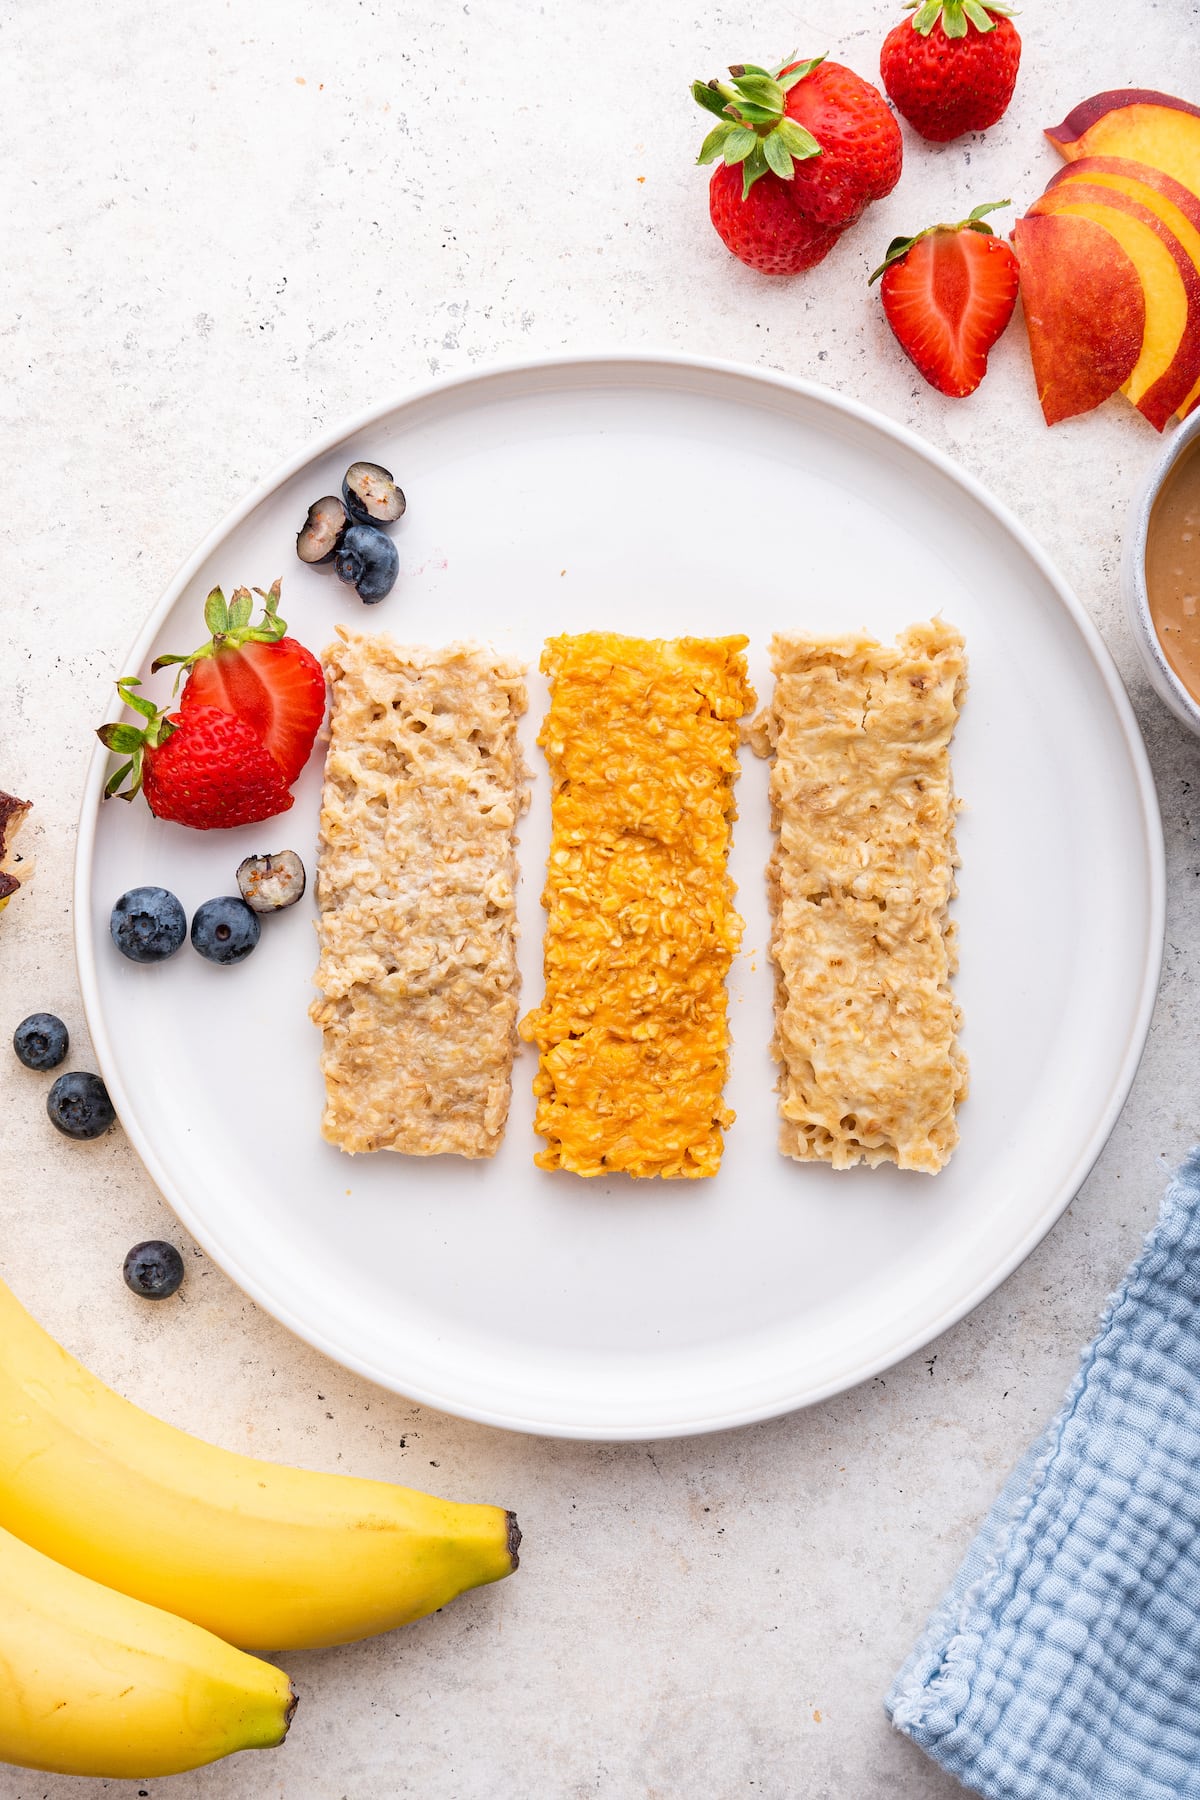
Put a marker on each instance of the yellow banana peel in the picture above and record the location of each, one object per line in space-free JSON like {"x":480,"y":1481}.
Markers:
{"x":95,"y":1683}
{"x":265,"y":1556}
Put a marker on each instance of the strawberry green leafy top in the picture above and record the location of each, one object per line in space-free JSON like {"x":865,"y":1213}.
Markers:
{"x":954,"y":15}
{"x":229,"y":623}
{"x":755,"y":129}
{"x":899,"y":247}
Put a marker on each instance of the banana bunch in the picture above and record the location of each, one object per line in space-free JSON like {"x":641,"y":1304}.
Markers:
{"x":98,"y":1684}
{"x":133,"y":1556}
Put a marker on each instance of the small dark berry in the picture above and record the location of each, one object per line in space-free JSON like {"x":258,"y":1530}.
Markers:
{"x":41,"y":1041}
{"x":371,"y":494}
{"x":148,"y":924}
{"x":79,"y":1105}
{"x":321,"y":532}
{"x":154,"y":1270}
{"x":368,"y":562}
{"x":225,"y":930}
{"x":269,"y":883}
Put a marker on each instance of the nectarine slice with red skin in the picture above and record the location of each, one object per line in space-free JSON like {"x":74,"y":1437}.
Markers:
{"x":1138,"y":124}
{"x":1085,"y":311}
{"x":1176,"y":206}
{"x":1081,"y":118}
{"x":1169,"y":364}
{"x":1087,"y":168}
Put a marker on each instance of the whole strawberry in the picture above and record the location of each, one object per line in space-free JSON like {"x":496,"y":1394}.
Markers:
{"x":952,"y":67}
{"x":860,"y":149}
{"x":200,"y":767}
{"x":268,"y":680}
{"x":948,"y":294}
{"x":764,"y":229}
{"x":816,"y":129}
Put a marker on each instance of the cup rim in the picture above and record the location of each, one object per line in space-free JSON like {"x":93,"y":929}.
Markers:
{"x":1156,"y":479}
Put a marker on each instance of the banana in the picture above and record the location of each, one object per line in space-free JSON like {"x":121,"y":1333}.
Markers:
{"x":264,"y":1556}
{"x":97,"y":1684}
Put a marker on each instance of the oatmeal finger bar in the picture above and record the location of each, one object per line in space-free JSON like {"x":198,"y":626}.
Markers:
{"x":860,"y":882}
{"x":641,"y":738}
{"x":416,"y":887}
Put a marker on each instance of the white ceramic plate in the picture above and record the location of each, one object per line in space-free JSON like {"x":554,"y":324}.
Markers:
{"x":655,"y":495}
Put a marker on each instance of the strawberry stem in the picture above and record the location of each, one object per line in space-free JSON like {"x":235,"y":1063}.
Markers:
{"x":229,"y":623}
{"x":899,"y":247}
{"x":128,"y":741}
{"x":955,"y":15}
{"x":754,"y":128}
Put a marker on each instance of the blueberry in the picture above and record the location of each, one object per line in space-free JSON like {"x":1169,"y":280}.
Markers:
{"x":148,"y":924}
{"x":225,"y":930}
{"x":154,"y":1270}
{"x":269,"y":883}
{"x":368,"y":562}
{"x":371,"y":495}
{"x":79,"y":1105}
{"x":41,"y":1041}
{"x":321,"y":532}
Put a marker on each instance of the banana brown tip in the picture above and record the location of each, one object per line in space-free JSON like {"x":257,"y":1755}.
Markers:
{"x":290,"y":1709}
{"x":514,"y":1539}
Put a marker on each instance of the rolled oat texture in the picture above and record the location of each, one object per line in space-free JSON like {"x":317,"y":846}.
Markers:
{"x":416,"y":890}
{"x":633,"y":1039}
{"x":860,"y":884}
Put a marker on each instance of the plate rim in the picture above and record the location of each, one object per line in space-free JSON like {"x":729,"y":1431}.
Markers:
{"x":639,"y":361}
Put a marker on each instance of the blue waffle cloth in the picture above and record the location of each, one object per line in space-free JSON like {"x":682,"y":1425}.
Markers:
{"x":1064,"y":1663}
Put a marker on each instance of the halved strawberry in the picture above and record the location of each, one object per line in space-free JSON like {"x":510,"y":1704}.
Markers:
{"x":269,"y":681}
{"x":948,"y":294}
{"x":201,"y":767}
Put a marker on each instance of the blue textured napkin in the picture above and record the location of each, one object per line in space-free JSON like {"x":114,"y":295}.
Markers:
{"x":1064,"y":1663}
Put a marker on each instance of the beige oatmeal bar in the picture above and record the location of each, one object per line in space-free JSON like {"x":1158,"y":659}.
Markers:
{"x":860,"y":882}
{"x":416,"y":889}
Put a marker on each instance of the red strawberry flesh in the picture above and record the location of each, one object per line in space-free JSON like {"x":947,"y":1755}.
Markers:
{"x":278,"y":690}
{"x":256,"y":674}
{"x":948,"y":300}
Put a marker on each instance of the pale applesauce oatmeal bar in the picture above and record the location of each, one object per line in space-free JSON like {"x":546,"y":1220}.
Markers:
{"x":416,"y":888}
{"x":860,"y":884}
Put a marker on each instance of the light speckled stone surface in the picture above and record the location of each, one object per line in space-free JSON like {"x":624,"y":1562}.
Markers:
{"x":227,"y":227}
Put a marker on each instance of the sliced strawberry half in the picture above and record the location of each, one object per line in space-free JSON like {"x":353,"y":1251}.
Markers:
{"x":948,"y":294}
{"x":266,"y":679}
{"x":202,"y":766}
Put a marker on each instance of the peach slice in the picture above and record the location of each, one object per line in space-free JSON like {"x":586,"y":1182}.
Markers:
{"x":1085,"y":311}
{"x":1169,"y":365}
{"x":1138,"y":124}
{"x":1176,"y":206}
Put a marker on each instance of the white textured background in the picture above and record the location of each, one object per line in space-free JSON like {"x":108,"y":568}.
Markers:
{"x":225,"y":226}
